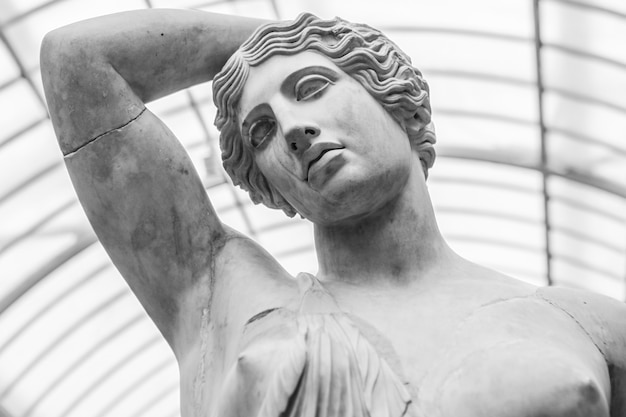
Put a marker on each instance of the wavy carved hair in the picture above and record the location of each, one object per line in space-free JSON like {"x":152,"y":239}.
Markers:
{"x":364,"y":53}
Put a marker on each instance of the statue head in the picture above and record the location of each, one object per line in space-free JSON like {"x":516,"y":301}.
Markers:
{"x":360,"y":51}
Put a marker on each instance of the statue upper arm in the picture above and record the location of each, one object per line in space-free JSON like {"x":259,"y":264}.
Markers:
{"x":149,"y":210}
{"x":135,"y":181}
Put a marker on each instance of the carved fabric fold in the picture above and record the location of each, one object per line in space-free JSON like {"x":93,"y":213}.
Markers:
{"x":313,"y":363}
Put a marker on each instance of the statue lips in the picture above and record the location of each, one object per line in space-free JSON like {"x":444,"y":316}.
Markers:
{"x":313,"y":156}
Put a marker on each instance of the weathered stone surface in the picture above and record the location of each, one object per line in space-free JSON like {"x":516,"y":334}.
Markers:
{"x":333,"y":123}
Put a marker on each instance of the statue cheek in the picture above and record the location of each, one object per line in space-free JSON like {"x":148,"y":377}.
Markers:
{"x":278,"y":165}
{"x":276,"y":174}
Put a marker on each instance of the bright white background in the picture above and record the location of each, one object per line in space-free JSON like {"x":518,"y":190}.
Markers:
{"x":529,"y":103}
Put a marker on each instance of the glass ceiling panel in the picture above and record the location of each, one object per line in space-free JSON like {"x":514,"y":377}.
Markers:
{"x":17,"y":263}
{"x":597,"y":256}
{"x":203,"y":93}
{"x":255,"y":8}
{"x":24,"y":366}
{"x":583,"y":29}
{"x":589,"y":235}
{"x":157,"y":403}
{"x":185,"y":125}
{"x":476,"y":202}
{"x":269,"y":219}
{"x":173,"y":103}
{"x":33,"y":77}
{"x":511,"y":204}
{"x":119,"y":403}
{"x":468,"y":56}
{"x":494,"y":99}
{"x":25,"y":204}
{"x":510,"y":18}
{"x":608,"y":6}
{"x":71,"y":219}
{"x":53,"y":360}
{"x":486,"y":211}
{"x":139,"y":354}
{"x":283,"y":240}
{"x":567,"y":272}
{"x":300,"y":259}
{"x":224,"y":197}
{"x":9,"y":70}
{"x":503,"y":176}
{"x":596,"y":80}
{"x":30,"y":319}
{"x":584,"y":118}
{"x":590,"y":199}
{"x":465,"y":134}
{"x":10,"y":10}
{"x":24,"y":156}
{"x":42,"y":298}
{"x":566,"y":215}
{"x":59,"y":292}
{"x":488,"y":227}
{"x":14,"y":119}
{"x":589,"y":158}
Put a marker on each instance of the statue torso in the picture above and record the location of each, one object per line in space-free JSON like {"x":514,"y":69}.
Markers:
{"x":461,"y":348}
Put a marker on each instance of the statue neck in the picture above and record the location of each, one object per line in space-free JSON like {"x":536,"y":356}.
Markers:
{"x":400,"y":243}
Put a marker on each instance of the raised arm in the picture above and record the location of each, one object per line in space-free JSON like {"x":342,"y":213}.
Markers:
{"x":135,"y":181}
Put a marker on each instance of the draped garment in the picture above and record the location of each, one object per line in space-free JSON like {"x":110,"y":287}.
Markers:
{"x":313,"y":362}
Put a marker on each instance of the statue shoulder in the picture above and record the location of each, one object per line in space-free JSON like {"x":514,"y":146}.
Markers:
{"x":603,"y":318}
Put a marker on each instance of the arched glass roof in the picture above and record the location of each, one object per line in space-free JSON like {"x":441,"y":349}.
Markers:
{"x":529,"y":102}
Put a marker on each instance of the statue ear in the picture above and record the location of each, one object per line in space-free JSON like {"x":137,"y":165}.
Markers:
{"x":416,"y":125}
{"x":419,"y":121}
{"x":426,"y":152}
{"x":421,"y":132}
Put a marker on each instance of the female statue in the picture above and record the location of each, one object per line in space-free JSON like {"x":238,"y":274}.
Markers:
{"x":329,"y":120}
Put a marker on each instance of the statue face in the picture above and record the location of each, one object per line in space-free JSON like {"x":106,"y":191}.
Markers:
{"x":326,"y":145}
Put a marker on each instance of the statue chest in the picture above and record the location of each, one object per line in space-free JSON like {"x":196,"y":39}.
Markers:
{"x":518,"y":357}
{"x":513,"y":356}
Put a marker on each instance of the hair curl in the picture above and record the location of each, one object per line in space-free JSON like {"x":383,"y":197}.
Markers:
{"x":364,"y":53}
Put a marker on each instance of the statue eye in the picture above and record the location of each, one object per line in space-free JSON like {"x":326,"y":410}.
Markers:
{"x":310,"y":86}
{"x":260,"y":131}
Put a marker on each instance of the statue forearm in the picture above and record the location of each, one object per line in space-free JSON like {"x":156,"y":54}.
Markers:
{"x":161,"y":51}
{"x":98,"y":73}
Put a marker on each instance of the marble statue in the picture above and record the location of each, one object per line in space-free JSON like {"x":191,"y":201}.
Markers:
{"x":328,"y":120}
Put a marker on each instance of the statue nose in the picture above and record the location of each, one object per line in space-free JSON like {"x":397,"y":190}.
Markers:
{"x":299,"y":138}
